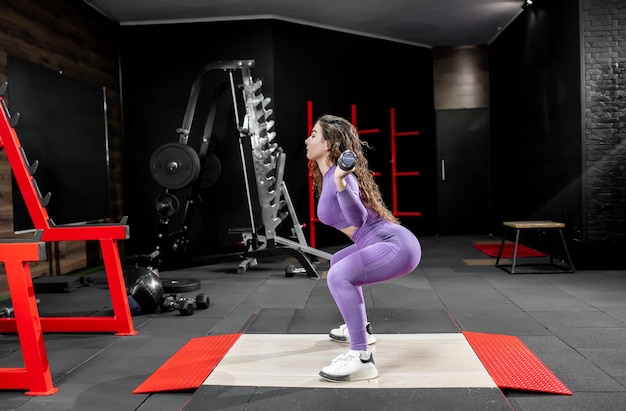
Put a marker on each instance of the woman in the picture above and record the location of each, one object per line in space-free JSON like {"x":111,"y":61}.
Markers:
{"x":350,"y":201}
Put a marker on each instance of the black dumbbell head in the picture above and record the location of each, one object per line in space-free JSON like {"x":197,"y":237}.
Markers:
{"x":347,"y":160}
{"x":186,"y":307}
{"x":202,"y":302}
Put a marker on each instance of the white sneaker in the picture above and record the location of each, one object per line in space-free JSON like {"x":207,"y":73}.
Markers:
{"x":350,"y":367}
{"x":341,"y":334}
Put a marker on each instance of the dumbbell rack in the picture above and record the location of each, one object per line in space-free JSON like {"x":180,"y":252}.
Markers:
{"x":107,"y":235}
{"x":268,"y":163}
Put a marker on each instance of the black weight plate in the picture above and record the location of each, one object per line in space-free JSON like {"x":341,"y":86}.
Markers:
{"x":211,"y":171}
{"x":180,"y":285}
{"x":174,"y":165}
{"x":166,"y":205}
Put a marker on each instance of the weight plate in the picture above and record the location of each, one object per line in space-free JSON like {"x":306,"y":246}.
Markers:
{"x":211,"y":171}
{"x":167,"y":205}
{"x":174,"y":165}
{"x":180,"y":285}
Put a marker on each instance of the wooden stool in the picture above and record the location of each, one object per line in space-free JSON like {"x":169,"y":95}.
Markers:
{"x":565,"y":267}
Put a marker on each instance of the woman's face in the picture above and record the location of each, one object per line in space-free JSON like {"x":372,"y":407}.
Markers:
{"x":316,"y":147}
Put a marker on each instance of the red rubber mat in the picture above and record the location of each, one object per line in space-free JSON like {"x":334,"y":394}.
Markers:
{"x":492,"y":249}
{"x":512,"y":365}
{"x":190,"y":366}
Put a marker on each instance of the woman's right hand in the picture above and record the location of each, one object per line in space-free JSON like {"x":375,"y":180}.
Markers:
{"x":340,"y":178}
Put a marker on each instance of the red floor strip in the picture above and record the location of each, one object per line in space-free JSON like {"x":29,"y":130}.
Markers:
{"x":512,"y":365}
{"x":492,"y":249}
{"x":190,"y":366}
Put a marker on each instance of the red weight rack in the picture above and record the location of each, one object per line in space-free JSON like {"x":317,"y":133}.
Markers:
{"x":107,"y":235}
{"x":394,"y":167}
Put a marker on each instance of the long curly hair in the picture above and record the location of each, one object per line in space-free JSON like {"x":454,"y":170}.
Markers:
{"x":342,"y":135}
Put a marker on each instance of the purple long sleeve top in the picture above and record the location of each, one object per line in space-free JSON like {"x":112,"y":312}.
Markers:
{"x":342,"y":209}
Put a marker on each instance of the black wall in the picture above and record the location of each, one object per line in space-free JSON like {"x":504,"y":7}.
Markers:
{"x":62,"y":128}
{"x":536,"y":118}
{"x":297,"y":64}
{"x":334,"y":71}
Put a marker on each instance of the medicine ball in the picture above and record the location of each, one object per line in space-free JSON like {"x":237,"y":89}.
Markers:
{"x":145,"y":287}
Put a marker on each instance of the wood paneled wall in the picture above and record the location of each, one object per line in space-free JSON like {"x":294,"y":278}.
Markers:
{"x":69,"y":36}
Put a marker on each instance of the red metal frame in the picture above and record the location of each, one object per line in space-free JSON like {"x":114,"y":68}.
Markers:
{"x":353,"y":120}
{"x":35,"y":375}
{"x":21,"y":289}
{"x":107,"y":234}
{"x":394,"y":168}
{"x":312,"y":219}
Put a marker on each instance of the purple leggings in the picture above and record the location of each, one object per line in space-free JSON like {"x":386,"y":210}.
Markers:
{"x":380,"y":252}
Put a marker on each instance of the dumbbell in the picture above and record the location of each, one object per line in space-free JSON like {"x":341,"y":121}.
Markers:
{"x":177,"y":302}
{"x":185,"y":306}
{"x":8,"y":311}
{"x":347,"y":160}
{"x":202,"y":301}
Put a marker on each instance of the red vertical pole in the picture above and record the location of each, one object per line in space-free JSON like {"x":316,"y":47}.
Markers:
{"x":117,"y":288}
{"x":312,"y":218}
{"x":38,"y":377}
{"x":35,"y":376}
{"x":354,"y":123}
{"x":394,"y":167}
{"x":394,"y":187}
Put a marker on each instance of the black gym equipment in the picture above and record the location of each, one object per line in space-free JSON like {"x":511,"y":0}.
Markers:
{"x":180,"y":285}
{"x":176,"y":166}
{"x":347,"y":160}
{"x":291,"y":270}
{"x":8,"y":311}
{"x":185,"y":306}
{"x":145,"y":287}
{"x":166,"y":205}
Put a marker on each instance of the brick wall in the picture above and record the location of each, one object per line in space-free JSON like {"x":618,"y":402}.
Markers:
{"x":604,"y":52}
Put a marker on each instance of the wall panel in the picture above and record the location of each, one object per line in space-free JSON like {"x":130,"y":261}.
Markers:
{"x":68,"y":36}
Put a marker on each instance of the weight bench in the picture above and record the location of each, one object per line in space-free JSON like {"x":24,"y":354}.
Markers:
{"x":552,"y":266}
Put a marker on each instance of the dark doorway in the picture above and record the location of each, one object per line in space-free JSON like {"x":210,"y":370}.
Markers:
{"x":463,"y":175}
